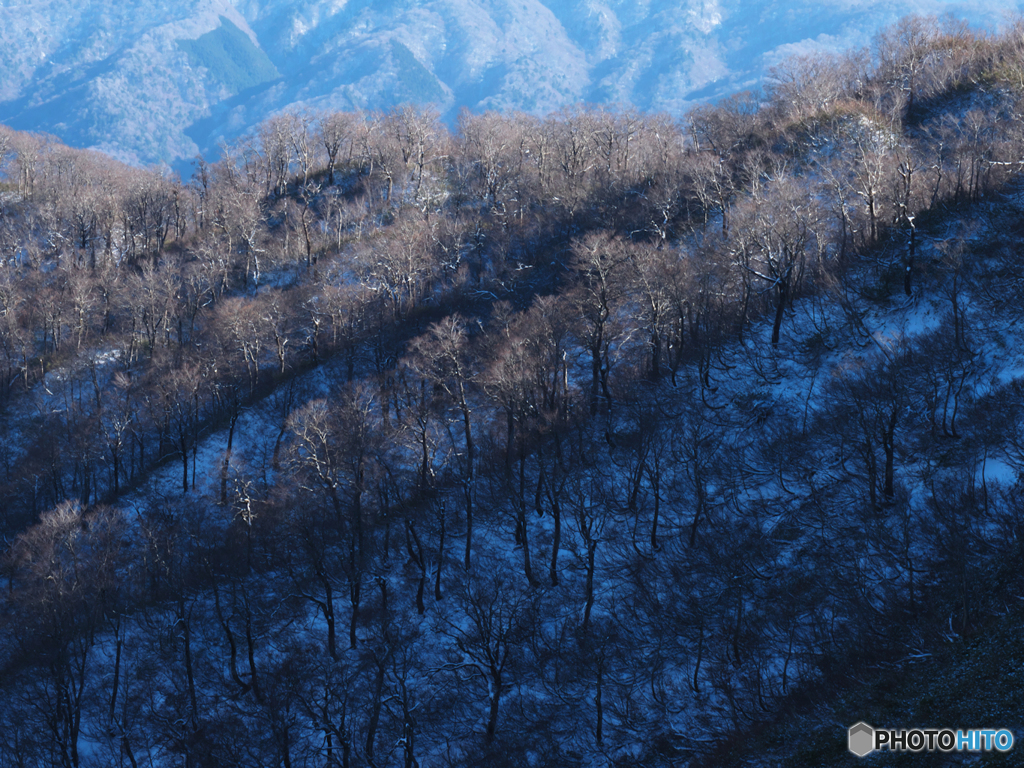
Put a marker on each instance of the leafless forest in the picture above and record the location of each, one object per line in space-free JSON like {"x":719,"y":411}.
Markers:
{"x":582,"y":441}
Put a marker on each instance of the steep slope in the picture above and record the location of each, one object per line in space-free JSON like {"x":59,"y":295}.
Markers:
{"x":610,"y":519}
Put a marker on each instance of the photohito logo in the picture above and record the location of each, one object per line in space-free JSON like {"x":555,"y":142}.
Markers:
{"x":862,"y":740}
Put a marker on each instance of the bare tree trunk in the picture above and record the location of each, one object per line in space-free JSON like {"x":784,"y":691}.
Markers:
{"x":467,"y":487}
{"x":328,"y":607}
{"x":232,"y":646}
{"x":591,"y":551}
{"x":250,"y":642}
{"x":700,"y":655}
{"x":417,"y":556}
{"x":371,"y":727}
{"x":355,"y":587}
{"x":908,"y":273}
{"x":655,"y":476}
{"x":556,"y":542}
{"x":889,"y":490}
{"x":440,"y":559}
{"x":495,"y":696}
{"x":780,"y":310}
{"x":185,"y":622}
{"x":524,"y":538}
{"x":227,"y":459}
{"x":468,"y":483}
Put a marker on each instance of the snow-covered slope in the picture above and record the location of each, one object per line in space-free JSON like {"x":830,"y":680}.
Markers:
{"x":111,"y":75}
{"x":160,"y":81}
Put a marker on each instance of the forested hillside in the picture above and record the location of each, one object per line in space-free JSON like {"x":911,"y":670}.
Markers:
{"x":584,"y":441}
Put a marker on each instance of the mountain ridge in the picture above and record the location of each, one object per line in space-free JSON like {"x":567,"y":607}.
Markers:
{"x":123,"y":81}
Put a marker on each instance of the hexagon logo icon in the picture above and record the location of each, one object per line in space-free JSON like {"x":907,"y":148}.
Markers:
{"x":861,"y":739}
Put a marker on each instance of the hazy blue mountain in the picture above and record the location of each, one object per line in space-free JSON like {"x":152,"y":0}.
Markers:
{"x":160,"y":81}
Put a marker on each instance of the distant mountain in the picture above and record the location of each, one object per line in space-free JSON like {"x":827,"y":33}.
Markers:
{"x":159,"y":82}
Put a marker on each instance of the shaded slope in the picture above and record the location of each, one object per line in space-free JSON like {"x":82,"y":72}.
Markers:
{"x":230,"y":56}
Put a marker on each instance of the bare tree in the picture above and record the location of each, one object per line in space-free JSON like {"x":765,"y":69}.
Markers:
{"x":336,"y":133}
{"x":497,"y":621}
{"x":600,"y":261}
{"x":784,"y":230}
{"x":441,"y":357}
